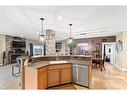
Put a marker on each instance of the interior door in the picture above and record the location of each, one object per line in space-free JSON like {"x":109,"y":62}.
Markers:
{"x":112,"y":51}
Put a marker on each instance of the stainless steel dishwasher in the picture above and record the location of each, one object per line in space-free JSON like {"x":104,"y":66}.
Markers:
{"x":80,"y":75}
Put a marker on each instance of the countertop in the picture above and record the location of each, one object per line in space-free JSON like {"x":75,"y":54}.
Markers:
{"x":40,"y":64}
{"x":63,"y":56}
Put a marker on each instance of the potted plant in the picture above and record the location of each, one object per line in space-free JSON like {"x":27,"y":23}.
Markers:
{"x":71,"y":47}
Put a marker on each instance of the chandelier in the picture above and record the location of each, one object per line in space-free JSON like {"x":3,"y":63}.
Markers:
{"x":42,"y":36}
{"x":70,"y":39}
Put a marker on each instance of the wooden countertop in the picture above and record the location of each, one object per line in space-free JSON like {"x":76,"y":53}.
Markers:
{"x":40,"y":64}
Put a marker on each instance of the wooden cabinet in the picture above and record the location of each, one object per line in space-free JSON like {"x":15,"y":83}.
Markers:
{"x":60,"y":66}
{"x":36,"y":78}
{"x":59,"y":74}
{"x":42,"y":78}
{"x":53,"y":77}
{"x":47,"y":76}
{"x":30,"y":79}
{"x":66,"y":75}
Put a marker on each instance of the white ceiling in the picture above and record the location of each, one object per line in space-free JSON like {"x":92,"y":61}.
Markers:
{"x":95,"y":21}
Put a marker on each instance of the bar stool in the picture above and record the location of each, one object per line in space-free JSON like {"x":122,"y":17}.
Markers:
{"x":14,"y":66}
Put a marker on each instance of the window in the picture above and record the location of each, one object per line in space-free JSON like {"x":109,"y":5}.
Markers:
{"x":84,"y":48}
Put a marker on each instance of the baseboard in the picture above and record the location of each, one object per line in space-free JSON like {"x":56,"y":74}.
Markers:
{"x":122,"y":69}
{"x":118,"y":66}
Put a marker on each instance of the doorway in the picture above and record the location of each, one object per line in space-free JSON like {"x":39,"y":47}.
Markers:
{"x":108,"y":50}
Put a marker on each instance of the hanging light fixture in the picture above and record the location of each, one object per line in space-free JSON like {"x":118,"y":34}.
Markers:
{"x":70,"y":39}
{"x":42,"y":36}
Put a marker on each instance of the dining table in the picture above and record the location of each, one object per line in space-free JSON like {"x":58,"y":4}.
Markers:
{"x":99,"y":61}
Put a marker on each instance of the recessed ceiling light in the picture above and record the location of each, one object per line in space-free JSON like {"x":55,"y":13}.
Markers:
{"x":37,"y":32}
{"x":59,"y":18}
{"x":21,"y":35}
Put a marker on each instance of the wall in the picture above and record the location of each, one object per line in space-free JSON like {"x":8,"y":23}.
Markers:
{"x":28,"y":41}
{"x":9,"y":40}
{"x":9,"y":49}
{"x":121,"y":58}
{"x":95,"y":43}
{"x":2,"y":47}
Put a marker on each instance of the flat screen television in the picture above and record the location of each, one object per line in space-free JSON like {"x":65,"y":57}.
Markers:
{"x":18,"y":44}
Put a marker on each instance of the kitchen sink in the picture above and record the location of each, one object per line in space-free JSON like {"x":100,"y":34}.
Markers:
{"x":57,"y":62}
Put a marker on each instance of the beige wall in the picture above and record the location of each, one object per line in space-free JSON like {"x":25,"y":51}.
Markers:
{"x":2,"y":47}
{"x":121,"y":58}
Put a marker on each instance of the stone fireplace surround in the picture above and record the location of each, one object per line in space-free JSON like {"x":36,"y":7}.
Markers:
{"x":13,"y":53}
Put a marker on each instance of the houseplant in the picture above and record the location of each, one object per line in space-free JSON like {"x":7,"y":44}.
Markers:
{"x":71,"y":47}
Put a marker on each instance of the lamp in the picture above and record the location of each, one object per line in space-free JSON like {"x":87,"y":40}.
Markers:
{"x":70,"y":39}
{"x":42,"y":36}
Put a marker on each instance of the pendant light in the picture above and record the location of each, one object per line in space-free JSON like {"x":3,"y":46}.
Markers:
{"x":70,"y":39}
{"x":42,"y":36}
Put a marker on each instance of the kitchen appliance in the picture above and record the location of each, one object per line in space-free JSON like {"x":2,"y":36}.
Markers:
{"x":80,"y":75}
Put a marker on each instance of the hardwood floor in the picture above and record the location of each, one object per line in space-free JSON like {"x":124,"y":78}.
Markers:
{"x":68,"y":87}
{"x":110,"y":79}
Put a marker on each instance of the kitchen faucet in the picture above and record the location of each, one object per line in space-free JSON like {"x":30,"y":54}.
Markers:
{"x":57,"y":56}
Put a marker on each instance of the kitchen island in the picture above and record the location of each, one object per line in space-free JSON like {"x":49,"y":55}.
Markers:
{"x":45,"y":72}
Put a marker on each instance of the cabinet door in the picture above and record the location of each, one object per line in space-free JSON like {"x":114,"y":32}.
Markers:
{"x":66,"y":75}
{"x":42,"y":81}
{"x":53,"y":77}
{"x":42,"y":78}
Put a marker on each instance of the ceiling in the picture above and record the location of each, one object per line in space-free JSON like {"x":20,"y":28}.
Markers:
{"x":88,"y":21}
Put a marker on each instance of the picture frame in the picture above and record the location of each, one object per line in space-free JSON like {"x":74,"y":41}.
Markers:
{"x":119,"y":46}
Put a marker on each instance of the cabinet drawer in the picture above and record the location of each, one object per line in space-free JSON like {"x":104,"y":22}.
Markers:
{"x":59,"y":66}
